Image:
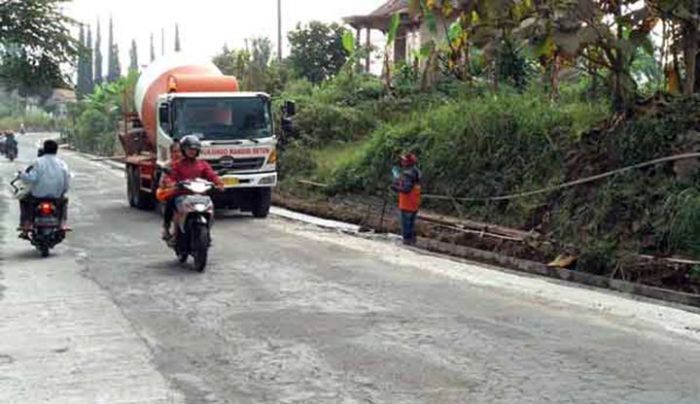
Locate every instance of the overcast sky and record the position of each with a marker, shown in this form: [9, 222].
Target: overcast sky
[205, 25]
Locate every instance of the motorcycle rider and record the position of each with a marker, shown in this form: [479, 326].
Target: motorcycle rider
[48, 178]
[188, 167]
[10, 143]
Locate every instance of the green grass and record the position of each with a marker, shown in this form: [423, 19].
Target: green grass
[329, 159]
[37, 122]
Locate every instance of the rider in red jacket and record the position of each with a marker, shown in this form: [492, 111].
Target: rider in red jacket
[189, 167]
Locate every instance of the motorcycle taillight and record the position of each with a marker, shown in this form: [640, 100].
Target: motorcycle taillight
[46, 208]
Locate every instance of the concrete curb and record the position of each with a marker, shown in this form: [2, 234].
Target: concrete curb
[537, 268]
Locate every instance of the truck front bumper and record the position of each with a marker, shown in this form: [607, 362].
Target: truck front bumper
[257, 180]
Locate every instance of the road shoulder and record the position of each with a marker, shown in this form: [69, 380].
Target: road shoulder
[64, 339]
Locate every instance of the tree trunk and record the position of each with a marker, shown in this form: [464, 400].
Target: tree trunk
[368, 59]
[690, 54]
[556, 67]
[495, 74]
[617, 64]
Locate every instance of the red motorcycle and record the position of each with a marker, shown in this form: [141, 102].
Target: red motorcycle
[46, 231]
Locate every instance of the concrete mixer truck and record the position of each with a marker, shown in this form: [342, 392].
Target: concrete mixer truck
[174, 98]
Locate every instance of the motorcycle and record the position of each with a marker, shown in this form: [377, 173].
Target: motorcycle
[192, 222]
[11, 152]
[46, 231]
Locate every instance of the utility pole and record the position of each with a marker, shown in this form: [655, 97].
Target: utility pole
[279, 30]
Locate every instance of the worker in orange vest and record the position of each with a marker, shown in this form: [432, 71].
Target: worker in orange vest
[407, 180]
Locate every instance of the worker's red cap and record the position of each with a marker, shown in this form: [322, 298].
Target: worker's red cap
[409, 159]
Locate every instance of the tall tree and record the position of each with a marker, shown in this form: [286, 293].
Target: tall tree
[81, 87]
[113, 68]
[99, 79]
[116, 72]
[90, 79]
[153, 49]
[177, 38]
[260, 55]
[317, 50]
[35, 41]
[134, 57]
[233, 62]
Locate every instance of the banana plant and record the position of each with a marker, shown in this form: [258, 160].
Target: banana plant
[392, 32]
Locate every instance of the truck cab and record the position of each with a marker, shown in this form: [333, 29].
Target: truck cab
[238, 141]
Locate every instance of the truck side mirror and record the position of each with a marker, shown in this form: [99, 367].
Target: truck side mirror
[290, 108]
[287, 127]
[164, 117]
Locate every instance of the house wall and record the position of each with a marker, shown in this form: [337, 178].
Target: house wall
[410, 41]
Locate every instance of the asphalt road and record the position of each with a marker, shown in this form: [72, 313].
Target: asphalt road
[288, 312]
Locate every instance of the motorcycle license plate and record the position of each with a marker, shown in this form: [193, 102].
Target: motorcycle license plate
[230, 181]
[46, 221]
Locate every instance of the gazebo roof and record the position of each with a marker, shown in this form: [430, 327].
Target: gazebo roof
[61, 96]
[379, 18]
[391, 7]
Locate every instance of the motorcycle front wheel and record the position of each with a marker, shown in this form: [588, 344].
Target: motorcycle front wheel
[200, 247]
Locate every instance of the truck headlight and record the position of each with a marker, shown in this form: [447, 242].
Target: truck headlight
[270, 179]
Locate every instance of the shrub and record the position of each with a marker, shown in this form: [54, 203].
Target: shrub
[296, 161]
[682, 212]
[37, 122]
[320, 123]
[479, 147]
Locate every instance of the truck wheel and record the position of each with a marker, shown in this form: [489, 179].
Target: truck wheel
[130, 186]
[261, 202]
[144, 200]
[138, 198]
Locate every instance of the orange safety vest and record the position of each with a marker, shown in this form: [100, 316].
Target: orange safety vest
[410, 201]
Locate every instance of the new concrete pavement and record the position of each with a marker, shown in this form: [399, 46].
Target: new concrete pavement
[288, 312]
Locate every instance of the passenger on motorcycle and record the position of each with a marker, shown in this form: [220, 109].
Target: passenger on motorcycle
[189, 167]
[48, 178]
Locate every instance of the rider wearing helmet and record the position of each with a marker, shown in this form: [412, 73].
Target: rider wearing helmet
[189, 167]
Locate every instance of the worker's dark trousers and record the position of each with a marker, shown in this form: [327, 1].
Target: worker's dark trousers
[408, 226]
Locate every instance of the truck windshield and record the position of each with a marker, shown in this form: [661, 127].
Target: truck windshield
[223, 118]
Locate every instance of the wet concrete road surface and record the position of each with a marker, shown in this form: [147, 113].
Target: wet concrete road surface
[291, 313]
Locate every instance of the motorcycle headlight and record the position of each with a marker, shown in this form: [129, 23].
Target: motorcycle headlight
[200, 207]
